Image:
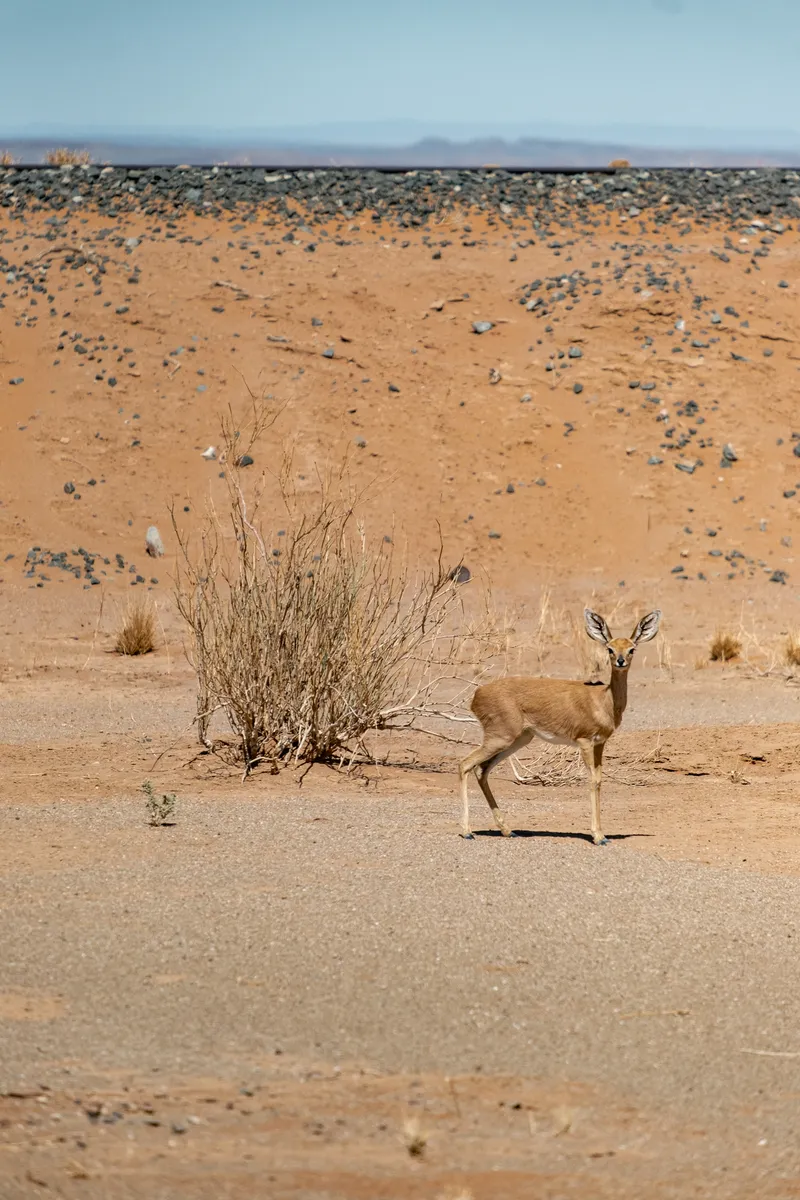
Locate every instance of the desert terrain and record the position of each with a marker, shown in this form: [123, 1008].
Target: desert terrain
[307, 985]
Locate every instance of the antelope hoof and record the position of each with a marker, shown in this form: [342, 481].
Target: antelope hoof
[507, 832]
[599, 839]
[468, 837]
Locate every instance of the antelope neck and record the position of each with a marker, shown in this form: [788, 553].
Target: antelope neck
[619, 692]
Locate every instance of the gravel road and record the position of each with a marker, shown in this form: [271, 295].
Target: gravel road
[363, 930]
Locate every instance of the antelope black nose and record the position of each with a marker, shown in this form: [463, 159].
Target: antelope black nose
[621, 661]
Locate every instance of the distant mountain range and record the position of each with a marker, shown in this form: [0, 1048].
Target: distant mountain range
[411, 144]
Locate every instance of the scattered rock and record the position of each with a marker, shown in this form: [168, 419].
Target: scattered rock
[482, 326]
[152, 543]
[460, 574]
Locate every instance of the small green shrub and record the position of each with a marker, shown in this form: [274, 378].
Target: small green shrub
[159, 808]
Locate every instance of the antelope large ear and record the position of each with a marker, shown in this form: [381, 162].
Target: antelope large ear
[647, 627]
[596, 626]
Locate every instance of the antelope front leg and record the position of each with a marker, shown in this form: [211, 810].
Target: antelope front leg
[597, 775]
[466, 832]
[593, 758]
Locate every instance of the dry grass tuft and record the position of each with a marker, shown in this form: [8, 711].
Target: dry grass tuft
[64, 156]
[7, 158]
[414, 1137]
[791, 650]
[593, 658]
[137, 629]
[724, 646]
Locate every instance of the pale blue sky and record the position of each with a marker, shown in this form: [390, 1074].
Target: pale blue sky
[582, 65]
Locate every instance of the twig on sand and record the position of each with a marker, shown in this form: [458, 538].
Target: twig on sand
[656, 1012]
[773, 1053]
[452, 1089]
[96, 629]
[235, 287]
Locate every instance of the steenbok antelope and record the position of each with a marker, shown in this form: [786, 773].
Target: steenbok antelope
[563, 711]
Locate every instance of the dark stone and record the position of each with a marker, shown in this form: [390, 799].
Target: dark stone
[69, 488]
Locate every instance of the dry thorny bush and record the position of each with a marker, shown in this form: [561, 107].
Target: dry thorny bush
[308, 646]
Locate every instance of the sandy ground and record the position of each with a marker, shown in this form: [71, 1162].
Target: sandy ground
[301, 981]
